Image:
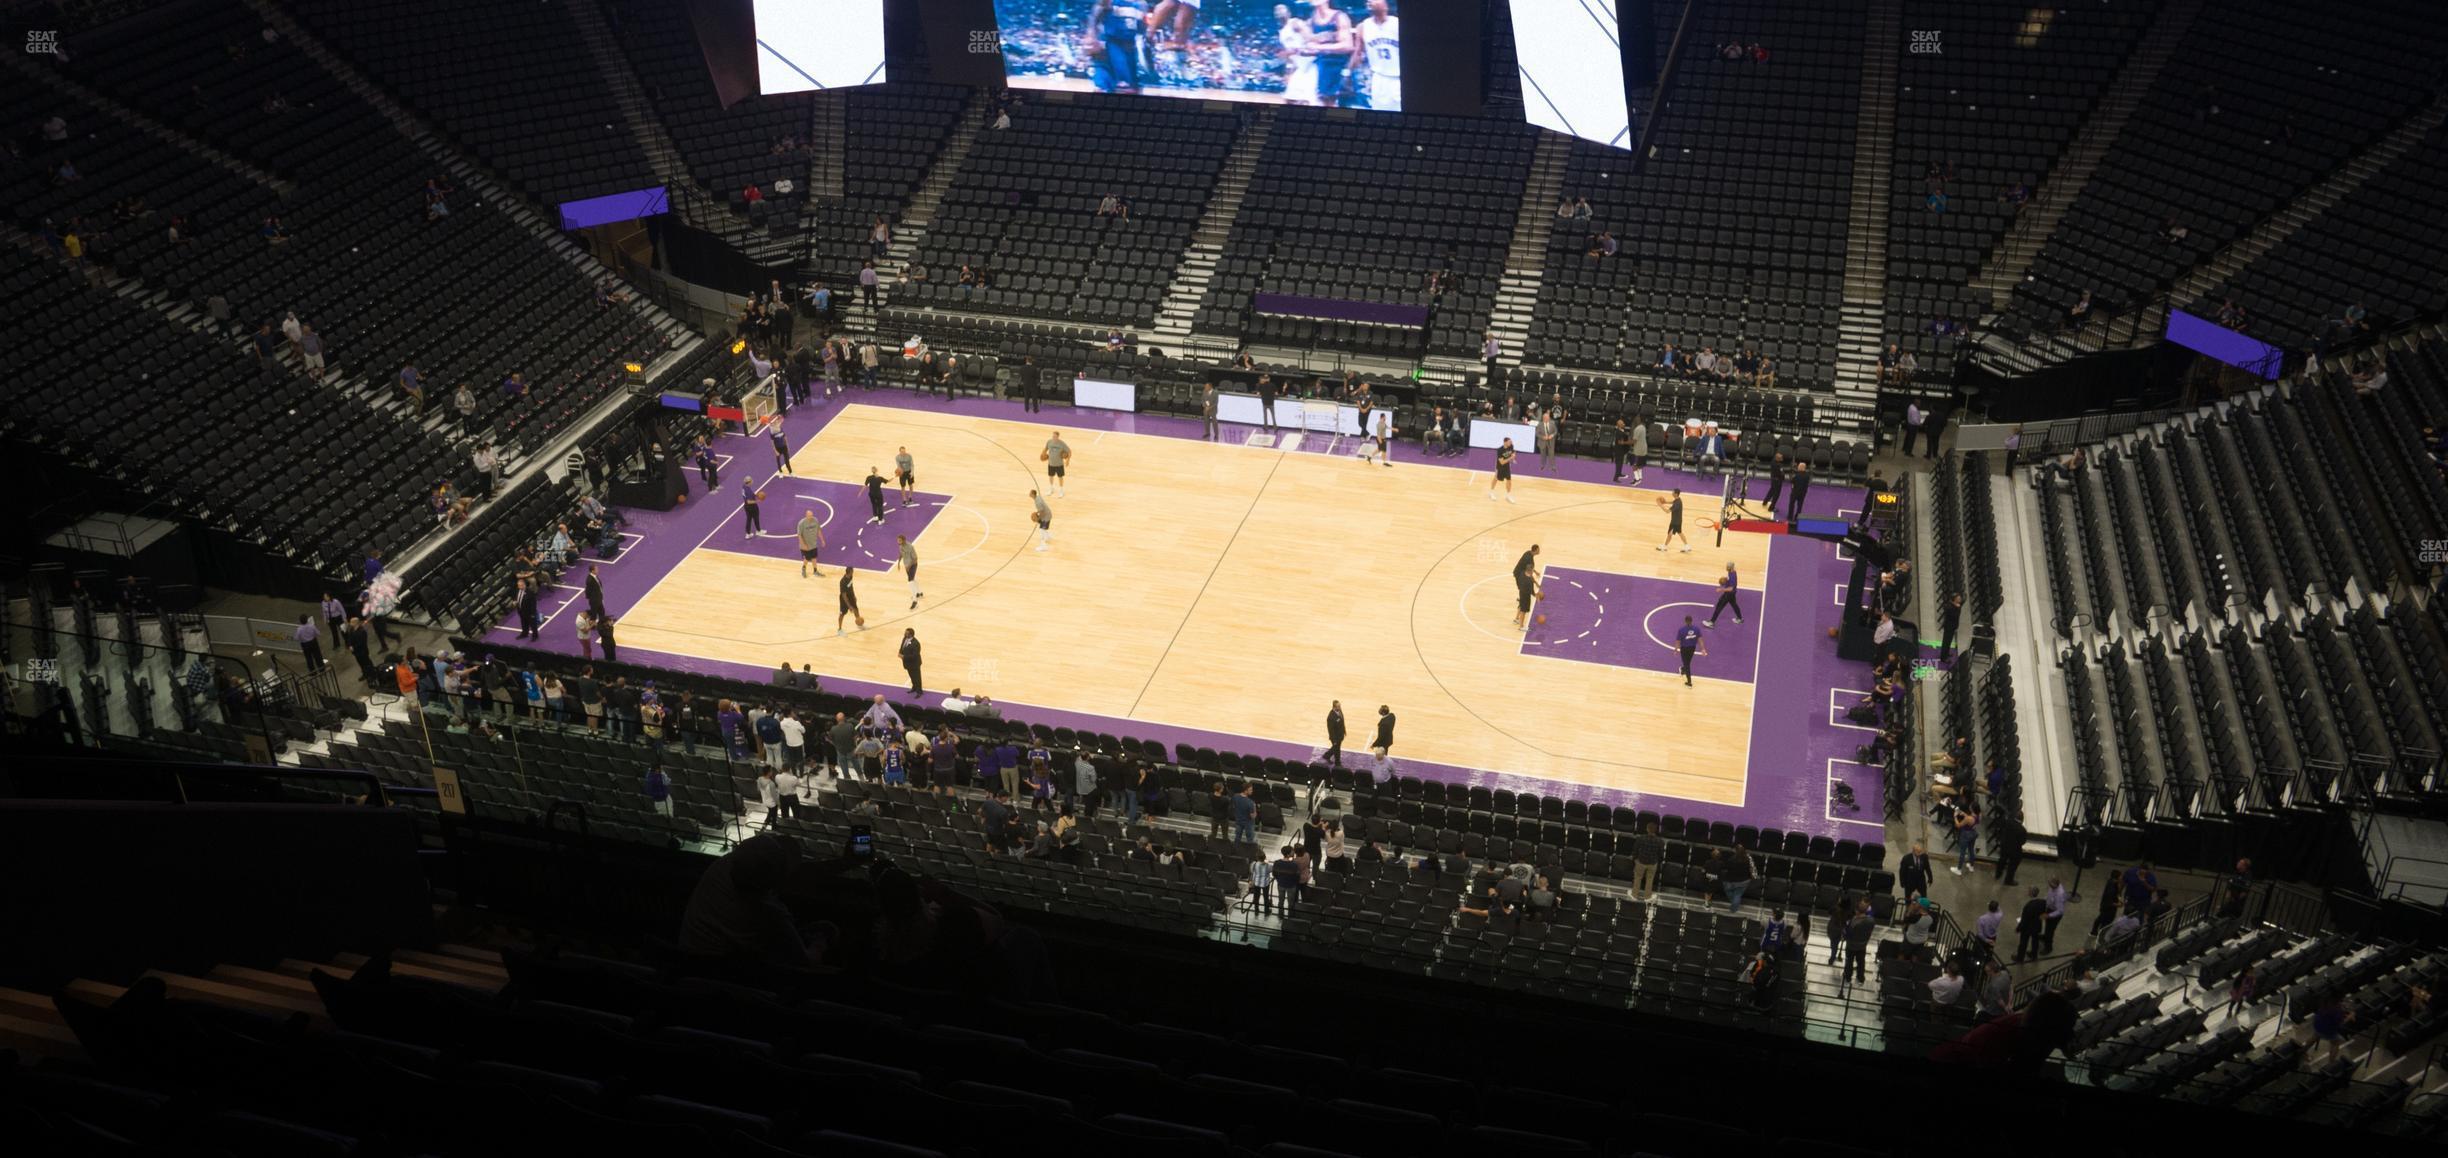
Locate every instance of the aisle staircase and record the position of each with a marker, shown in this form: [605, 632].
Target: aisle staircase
[1862, 320]
[662, 155]
[2014, 254]
[471, 175]
[2275, 229]
[476, 179]
[696, 206]
[1526, 256]
[59, 80]
[1176, 319]
[911, 228]
[830, 137]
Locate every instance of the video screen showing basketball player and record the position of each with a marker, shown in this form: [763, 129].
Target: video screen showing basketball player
[1328, 53]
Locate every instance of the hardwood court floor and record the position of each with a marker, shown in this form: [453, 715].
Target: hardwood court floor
[1222, 587]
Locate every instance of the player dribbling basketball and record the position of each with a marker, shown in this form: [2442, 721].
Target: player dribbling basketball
[1674, 520]
[1043, 518]
[849, 602]
[1525, 584]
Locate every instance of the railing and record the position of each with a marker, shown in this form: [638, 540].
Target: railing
[192, 680]
[167, 782]
[1844, 1016]
[2152, 933]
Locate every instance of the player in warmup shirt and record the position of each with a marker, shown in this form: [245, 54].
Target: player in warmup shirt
[811, 544]
[896, 762]
[1726, 587]
[875, 494]
[1043, 516]
[1688, 643]
[1504, 472]
[781, 447]
[1330, 43]
[1381, 52]
[1057, 459]
[1674, 520]
[909, 571]
[905, 472]
[849, 603]
[1525, 585]
[1376, 445]
[750, 500]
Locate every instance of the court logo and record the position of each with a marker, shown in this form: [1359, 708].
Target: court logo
[42, 43]
[40, 671]
[986, 42]
[1925, 42]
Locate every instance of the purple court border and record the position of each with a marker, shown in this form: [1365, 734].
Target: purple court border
[1792, 743]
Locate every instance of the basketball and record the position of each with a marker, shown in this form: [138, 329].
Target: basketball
[1542, 620]
[1831, 633]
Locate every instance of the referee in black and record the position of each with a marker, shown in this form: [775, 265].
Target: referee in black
[1525, 585]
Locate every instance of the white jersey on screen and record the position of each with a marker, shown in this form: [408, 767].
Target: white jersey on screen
[1300, 68]
[1382, 40]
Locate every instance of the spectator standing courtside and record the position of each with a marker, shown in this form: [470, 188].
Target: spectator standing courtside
[1913, 873]
[1647, 850]
[2031, 925]
[310, 642]
[1857, 933]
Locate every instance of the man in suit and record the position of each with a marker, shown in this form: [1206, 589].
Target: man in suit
[603, 635]
[594, 593]
[354, 636]
[2030, 927]
[784, 677]
[527, 610]
[1801, 490]
[1914, 872]
[2010, 836]
[1949, 618]
[1776, 482]
[1385, 732]
[1207, 412]
[910, 659]
[807, 677]
[1334, 734]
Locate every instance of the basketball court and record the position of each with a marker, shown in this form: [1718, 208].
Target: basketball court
[1230, 591]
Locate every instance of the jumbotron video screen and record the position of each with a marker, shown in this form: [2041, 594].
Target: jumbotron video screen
[1331, 53]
